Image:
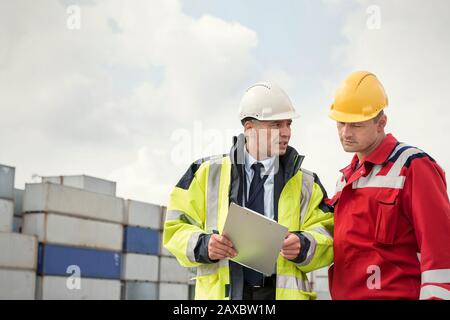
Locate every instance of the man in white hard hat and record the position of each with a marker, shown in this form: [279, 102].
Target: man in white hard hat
[263, 173]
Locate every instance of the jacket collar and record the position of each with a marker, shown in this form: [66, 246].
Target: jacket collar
[290, 161]
[379, 156]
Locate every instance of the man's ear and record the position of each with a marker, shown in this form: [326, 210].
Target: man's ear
[382, 122]
[248, 125]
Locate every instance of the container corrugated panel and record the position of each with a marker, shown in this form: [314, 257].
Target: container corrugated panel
[163, 251]
[84, 182]
[140, 267]
[6, 215]
[139, 290]
[93, 263]
[78, 232]
[7, 182]
[50, 197]
[18, 202]
[172, 271]
[173, 291]
[18, 251]
[17, 284]
[141, 240]
[57, 288]
[142, 214]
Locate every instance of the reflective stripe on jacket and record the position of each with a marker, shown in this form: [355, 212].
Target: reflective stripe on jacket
[199, 204]
[392, 227]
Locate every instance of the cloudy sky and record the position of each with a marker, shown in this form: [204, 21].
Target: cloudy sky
[134, 91]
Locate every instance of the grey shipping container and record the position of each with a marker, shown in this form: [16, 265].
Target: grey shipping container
[18, 251]
[66, 230]
[172, 271]
[7, 182]
[142, 214]
[50, 197]
[62, 288]
[17, 284]
[139, 290]
[140, 267]
[173, 291]
[6, 215]
[18, 202]
[85, 182]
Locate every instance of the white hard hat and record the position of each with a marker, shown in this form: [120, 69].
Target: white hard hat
[266, 101]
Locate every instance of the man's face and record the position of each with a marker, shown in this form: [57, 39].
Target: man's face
[359, 136]
[272, 137]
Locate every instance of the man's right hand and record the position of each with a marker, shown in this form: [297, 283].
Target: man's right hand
[219, 247]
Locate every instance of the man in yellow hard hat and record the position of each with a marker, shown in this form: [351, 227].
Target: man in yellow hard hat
[263, 173]
[392, 213]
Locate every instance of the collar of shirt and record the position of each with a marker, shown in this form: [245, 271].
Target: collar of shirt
[378, 156]
[249, 161]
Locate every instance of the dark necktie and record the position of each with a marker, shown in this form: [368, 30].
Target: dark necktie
[256, 203]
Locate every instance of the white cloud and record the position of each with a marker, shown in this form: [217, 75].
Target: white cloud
[145, 178]
[81, 101]
[409, 53]
[106, 100]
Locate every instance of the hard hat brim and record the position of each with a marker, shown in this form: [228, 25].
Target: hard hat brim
[351, 118]
[278, 116]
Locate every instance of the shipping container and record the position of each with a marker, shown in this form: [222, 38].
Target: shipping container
[173, 291]
[6, 215]
[18, 202]
[141, 240]
[58, 260]
[172, 271]
[18, 251]
[84, 182]
[78, 232]
[17, 284]
[140, 267]
[142, 214]
[7, 182]
[140, 290]
[50, 197]
[63, 288]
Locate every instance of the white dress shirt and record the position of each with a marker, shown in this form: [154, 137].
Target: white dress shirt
[268, 184]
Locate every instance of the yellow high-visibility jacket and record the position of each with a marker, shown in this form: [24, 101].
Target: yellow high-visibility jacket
[199, 204]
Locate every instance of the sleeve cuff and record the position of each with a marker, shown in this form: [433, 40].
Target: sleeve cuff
[304, 247]
[201, 249]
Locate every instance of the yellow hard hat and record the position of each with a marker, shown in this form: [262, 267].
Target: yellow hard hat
[359, 98]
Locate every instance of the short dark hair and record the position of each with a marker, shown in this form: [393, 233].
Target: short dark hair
[378, 116]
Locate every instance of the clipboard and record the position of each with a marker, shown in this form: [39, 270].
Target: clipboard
[257, 239]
